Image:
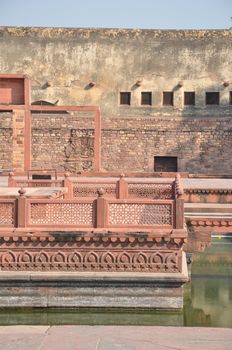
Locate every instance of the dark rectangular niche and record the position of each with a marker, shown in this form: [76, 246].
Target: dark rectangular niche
[125, 98]
[168, 98]
[212, 98]
[146, 98]
[189, 98]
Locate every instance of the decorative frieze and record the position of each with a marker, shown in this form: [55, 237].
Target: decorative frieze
[91, 252]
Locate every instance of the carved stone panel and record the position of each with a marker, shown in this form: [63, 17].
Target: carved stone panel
[79, 152]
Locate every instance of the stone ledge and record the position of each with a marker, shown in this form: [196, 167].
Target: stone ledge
[124, 290]
[114, 33]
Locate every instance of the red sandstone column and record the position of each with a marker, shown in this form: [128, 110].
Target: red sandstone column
[97, 141]
[27, 140]
[22, 210]
[102, 210]
[27, 130]
[179, 203]
[122, 188]
[11, 180]
[27, 91]
[18, 140]
[68, 184]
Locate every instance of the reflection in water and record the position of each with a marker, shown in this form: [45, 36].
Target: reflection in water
[208, 300]
[90, 317]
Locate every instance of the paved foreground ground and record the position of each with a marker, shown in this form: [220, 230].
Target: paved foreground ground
[113, 338]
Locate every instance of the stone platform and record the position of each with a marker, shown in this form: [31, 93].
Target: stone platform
[147, 252]
[97, 246]
[89, 289]
[114, 338]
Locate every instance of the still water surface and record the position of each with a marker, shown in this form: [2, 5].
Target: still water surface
[207, 301]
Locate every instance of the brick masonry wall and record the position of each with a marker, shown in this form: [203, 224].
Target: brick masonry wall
[201, 145]
[130, 144]
[6, 141]
[54, 145]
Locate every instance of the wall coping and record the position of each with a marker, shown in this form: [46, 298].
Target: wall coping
[114, 33]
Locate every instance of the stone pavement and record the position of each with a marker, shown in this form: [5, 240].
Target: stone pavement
[114, 338]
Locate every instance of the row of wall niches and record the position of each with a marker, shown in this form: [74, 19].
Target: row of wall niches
[211, 98]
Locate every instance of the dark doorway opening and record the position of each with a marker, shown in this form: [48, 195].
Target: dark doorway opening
[165, 164]
[41, 177]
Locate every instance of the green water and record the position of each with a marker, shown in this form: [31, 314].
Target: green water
[207, 300]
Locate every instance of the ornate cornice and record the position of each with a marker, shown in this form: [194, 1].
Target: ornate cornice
[218, 222]
[68, 238]
[207, 191]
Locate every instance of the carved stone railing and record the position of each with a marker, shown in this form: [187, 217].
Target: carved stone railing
[147, 213]
[63, 213]
[99, 232]
[121, 188]
[119, 203]
[90, 188]
[125, 188]
[102, 212]
[7, 213]
[24, 183]
[14, 182]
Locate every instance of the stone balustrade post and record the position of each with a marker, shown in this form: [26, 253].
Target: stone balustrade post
[101, 210]
[179, 191]
[11, 180]
[68, 184]
[22, 209]
[179, 203]
[122, 188]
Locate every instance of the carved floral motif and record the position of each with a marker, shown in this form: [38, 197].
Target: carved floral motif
[92, 260]
[79, 152]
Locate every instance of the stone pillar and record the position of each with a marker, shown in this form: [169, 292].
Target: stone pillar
[18, 140]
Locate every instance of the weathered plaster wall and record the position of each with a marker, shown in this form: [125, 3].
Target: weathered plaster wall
[115, 59]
